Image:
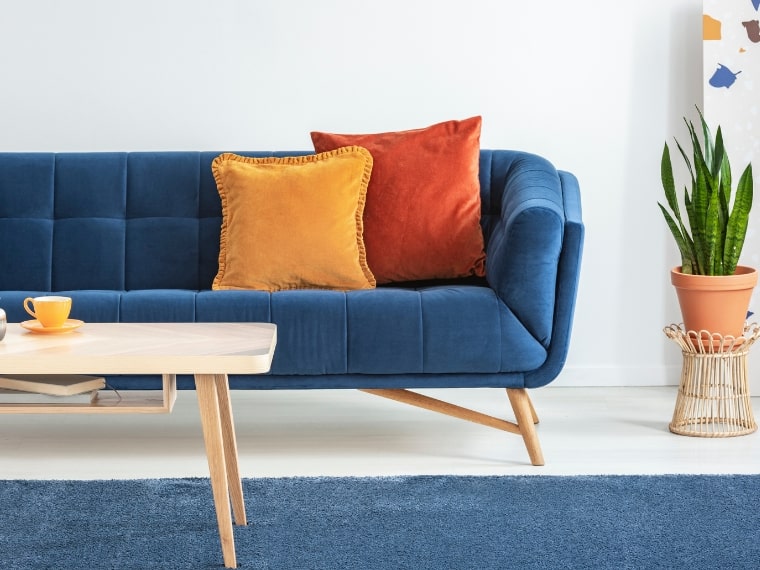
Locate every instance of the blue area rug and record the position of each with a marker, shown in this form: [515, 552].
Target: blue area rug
[435, 522]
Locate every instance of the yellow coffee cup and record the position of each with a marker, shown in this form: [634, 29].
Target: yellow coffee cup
[51, 311]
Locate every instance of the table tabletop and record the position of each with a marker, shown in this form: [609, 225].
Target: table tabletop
[141, 348]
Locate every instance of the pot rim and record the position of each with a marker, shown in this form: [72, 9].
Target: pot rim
[744, 278]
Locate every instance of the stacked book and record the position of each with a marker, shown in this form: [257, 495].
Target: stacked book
[45, 389]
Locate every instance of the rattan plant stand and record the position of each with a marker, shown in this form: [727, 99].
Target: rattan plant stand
[713, 395]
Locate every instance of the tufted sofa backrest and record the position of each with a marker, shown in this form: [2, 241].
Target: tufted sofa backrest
[125, 221]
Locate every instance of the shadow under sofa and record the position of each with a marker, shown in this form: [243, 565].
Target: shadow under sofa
[134, 237]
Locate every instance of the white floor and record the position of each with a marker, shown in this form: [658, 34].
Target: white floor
[281, 434]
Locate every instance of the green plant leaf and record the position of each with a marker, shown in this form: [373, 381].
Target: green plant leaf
[668, 183]
[681, 240]
[721, 169]
[736, 228]
[713, 247]
[713, 154]
[707, 138]
[724, 193]
[690, 213]
[686, 160]
[700, 197]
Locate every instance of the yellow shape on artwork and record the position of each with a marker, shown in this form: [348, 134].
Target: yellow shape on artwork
[710, 28]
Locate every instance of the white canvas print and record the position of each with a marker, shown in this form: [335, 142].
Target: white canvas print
[731, 89]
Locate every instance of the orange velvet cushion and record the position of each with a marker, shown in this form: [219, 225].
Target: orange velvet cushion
[422, 217]
[293, 222]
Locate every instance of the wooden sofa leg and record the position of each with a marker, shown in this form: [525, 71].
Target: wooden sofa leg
[521, 404]
[533, 413]
[526, 418]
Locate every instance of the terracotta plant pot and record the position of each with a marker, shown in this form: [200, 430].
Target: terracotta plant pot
[715, 303]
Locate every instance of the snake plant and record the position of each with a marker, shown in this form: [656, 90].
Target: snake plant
[712, 242]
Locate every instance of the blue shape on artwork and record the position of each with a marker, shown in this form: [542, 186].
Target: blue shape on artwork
[756, 4]
[723, 76]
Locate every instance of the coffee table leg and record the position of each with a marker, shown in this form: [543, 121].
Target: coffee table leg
[208, 402]
[230, 449]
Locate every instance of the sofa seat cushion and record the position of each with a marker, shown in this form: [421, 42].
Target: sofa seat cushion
[95, 306]
[89, 305]
[447, 329]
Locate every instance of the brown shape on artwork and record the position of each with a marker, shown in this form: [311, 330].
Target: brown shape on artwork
[753, 30]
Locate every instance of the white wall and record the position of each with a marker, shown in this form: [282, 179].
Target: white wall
[596, 87]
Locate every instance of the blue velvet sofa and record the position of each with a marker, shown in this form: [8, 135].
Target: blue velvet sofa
[134, 237]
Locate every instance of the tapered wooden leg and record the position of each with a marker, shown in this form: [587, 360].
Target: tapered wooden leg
[523, 409]
[521, 404]
[208, 402]
[533, 413]
[230, 448]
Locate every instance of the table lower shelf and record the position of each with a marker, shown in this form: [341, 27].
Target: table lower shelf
[108, 402]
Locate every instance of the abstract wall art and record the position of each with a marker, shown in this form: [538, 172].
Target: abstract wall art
[731, 92]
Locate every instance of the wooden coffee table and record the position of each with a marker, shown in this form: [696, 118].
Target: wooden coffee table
[209, 351]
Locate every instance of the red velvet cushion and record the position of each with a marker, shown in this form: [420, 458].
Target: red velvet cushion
[422, 211]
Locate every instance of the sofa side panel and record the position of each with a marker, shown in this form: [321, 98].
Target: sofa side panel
[332, 381]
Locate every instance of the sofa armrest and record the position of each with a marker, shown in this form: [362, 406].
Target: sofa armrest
[568, 276]
[534, 252]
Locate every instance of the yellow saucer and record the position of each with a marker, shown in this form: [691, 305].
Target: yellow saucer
[36, 327]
